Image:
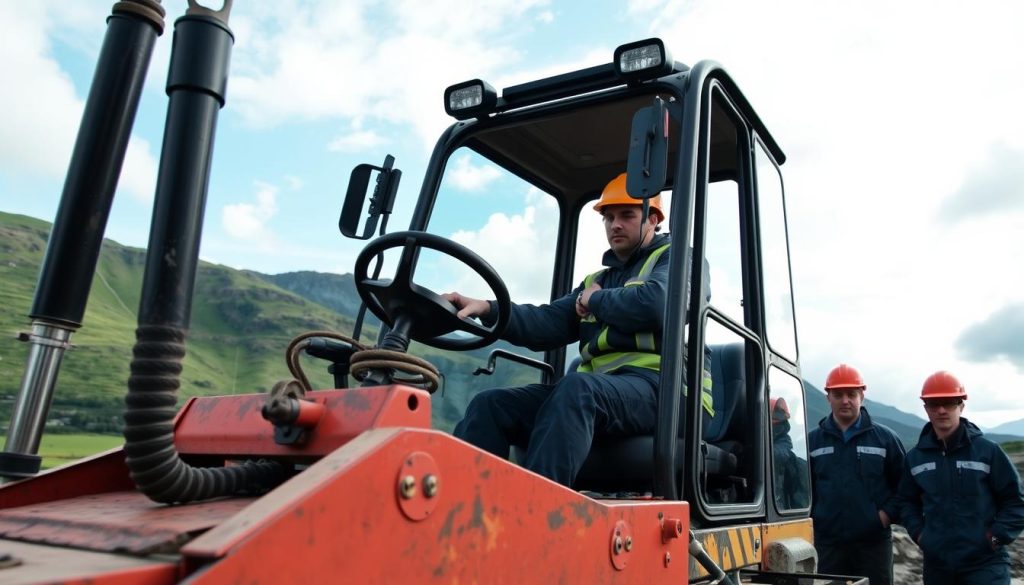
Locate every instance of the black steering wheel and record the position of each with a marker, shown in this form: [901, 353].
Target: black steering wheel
[419, 312]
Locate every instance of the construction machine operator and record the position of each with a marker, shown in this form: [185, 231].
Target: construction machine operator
[616, 314]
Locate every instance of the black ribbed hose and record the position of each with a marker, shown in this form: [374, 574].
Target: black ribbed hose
[155, 465]
[196, 84]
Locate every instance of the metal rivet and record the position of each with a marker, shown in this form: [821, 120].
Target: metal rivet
[629, 543]
[668, 559]
[618, 545]
[408, 486]
[430, 485]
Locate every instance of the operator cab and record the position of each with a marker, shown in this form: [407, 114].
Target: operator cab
[514, 181]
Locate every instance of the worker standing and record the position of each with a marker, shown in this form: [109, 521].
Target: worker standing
[963, 499]
[855, 472]
[616, 314]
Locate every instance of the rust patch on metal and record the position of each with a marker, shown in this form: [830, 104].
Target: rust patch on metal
[356, 401]
[449, 523]
[477, 520]
[582, 511]
[555, 519]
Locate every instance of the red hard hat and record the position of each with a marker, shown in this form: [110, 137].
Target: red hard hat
[779, 410]
[844, 376]
[942, 384]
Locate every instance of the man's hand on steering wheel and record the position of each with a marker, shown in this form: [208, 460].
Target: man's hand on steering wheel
[468, 306]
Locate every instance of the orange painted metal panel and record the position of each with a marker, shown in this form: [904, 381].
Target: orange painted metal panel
[36, 564]
[232, 426]
[100, 473]
[487, 521]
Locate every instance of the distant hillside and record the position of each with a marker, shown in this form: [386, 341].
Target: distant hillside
[334, 291]
[1011, 428]
[241, 323]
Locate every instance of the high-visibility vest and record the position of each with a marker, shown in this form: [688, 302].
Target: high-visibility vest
[609, 350]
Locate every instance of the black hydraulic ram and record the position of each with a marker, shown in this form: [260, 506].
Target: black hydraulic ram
[196, 86]
[74, 246]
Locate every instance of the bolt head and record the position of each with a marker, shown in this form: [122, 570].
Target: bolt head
[430, 485]
[407, 486]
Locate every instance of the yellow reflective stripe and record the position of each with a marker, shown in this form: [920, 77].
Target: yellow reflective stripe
[587, 354]
[633, 283]
[707, 400]
[609, 362]
[590, 278]
[648, 266]
[645, 341]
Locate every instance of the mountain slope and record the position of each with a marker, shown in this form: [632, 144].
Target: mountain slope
[240, 326]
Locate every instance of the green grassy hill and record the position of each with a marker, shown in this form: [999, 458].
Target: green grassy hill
[241, 324]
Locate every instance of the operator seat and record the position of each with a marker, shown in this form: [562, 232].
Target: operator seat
[626, 464]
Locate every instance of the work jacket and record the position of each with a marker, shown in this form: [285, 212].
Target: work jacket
[624, 327]
[957, 495]
[852, 480]
[631, 313]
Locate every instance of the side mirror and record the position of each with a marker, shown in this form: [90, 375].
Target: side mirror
[381, 202]
[647, 167]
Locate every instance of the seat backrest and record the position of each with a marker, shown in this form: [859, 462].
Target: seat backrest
[728, 389]
[626, 463]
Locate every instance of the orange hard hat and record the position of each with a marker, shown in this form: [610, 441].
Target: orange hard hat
[615, 194]
[844, 376]
[942, 384]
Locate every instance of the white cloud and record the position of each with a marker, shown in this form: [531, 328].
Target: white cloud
[518, 246]
[546, 16]
[325, 59]
[248, 221]
[883, 119]
[43, 107]
[356, 141]
[467, 177]
[997, 185]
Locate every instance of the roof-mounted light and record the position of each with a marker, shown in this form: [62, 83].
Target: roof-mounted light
[647, 59]
[470, 99]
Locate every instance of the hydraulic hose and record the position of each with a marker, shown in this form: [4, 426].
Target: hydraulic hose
[196, 86]
[156, 468]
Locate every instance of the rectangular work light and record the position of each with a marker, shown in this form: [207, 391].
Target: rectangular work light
[647, 59]
[469, 99]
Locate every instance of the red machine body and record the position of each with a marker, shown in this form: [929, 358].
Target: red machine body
[387, 500]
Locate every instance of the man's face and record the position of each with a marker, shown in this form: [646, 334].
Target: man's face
[845, 403]
[622, 227]
[944, 414]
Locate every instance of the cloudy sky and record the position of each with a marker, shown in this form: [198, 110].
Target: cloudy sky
[901, 120]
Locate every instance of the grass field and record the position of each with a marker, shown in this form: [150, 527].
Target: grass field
[57, 450]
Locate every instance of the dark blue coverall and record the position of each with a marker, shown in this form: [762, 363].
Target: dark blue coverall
[852, 478]
[557, 423]
[963, 503]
